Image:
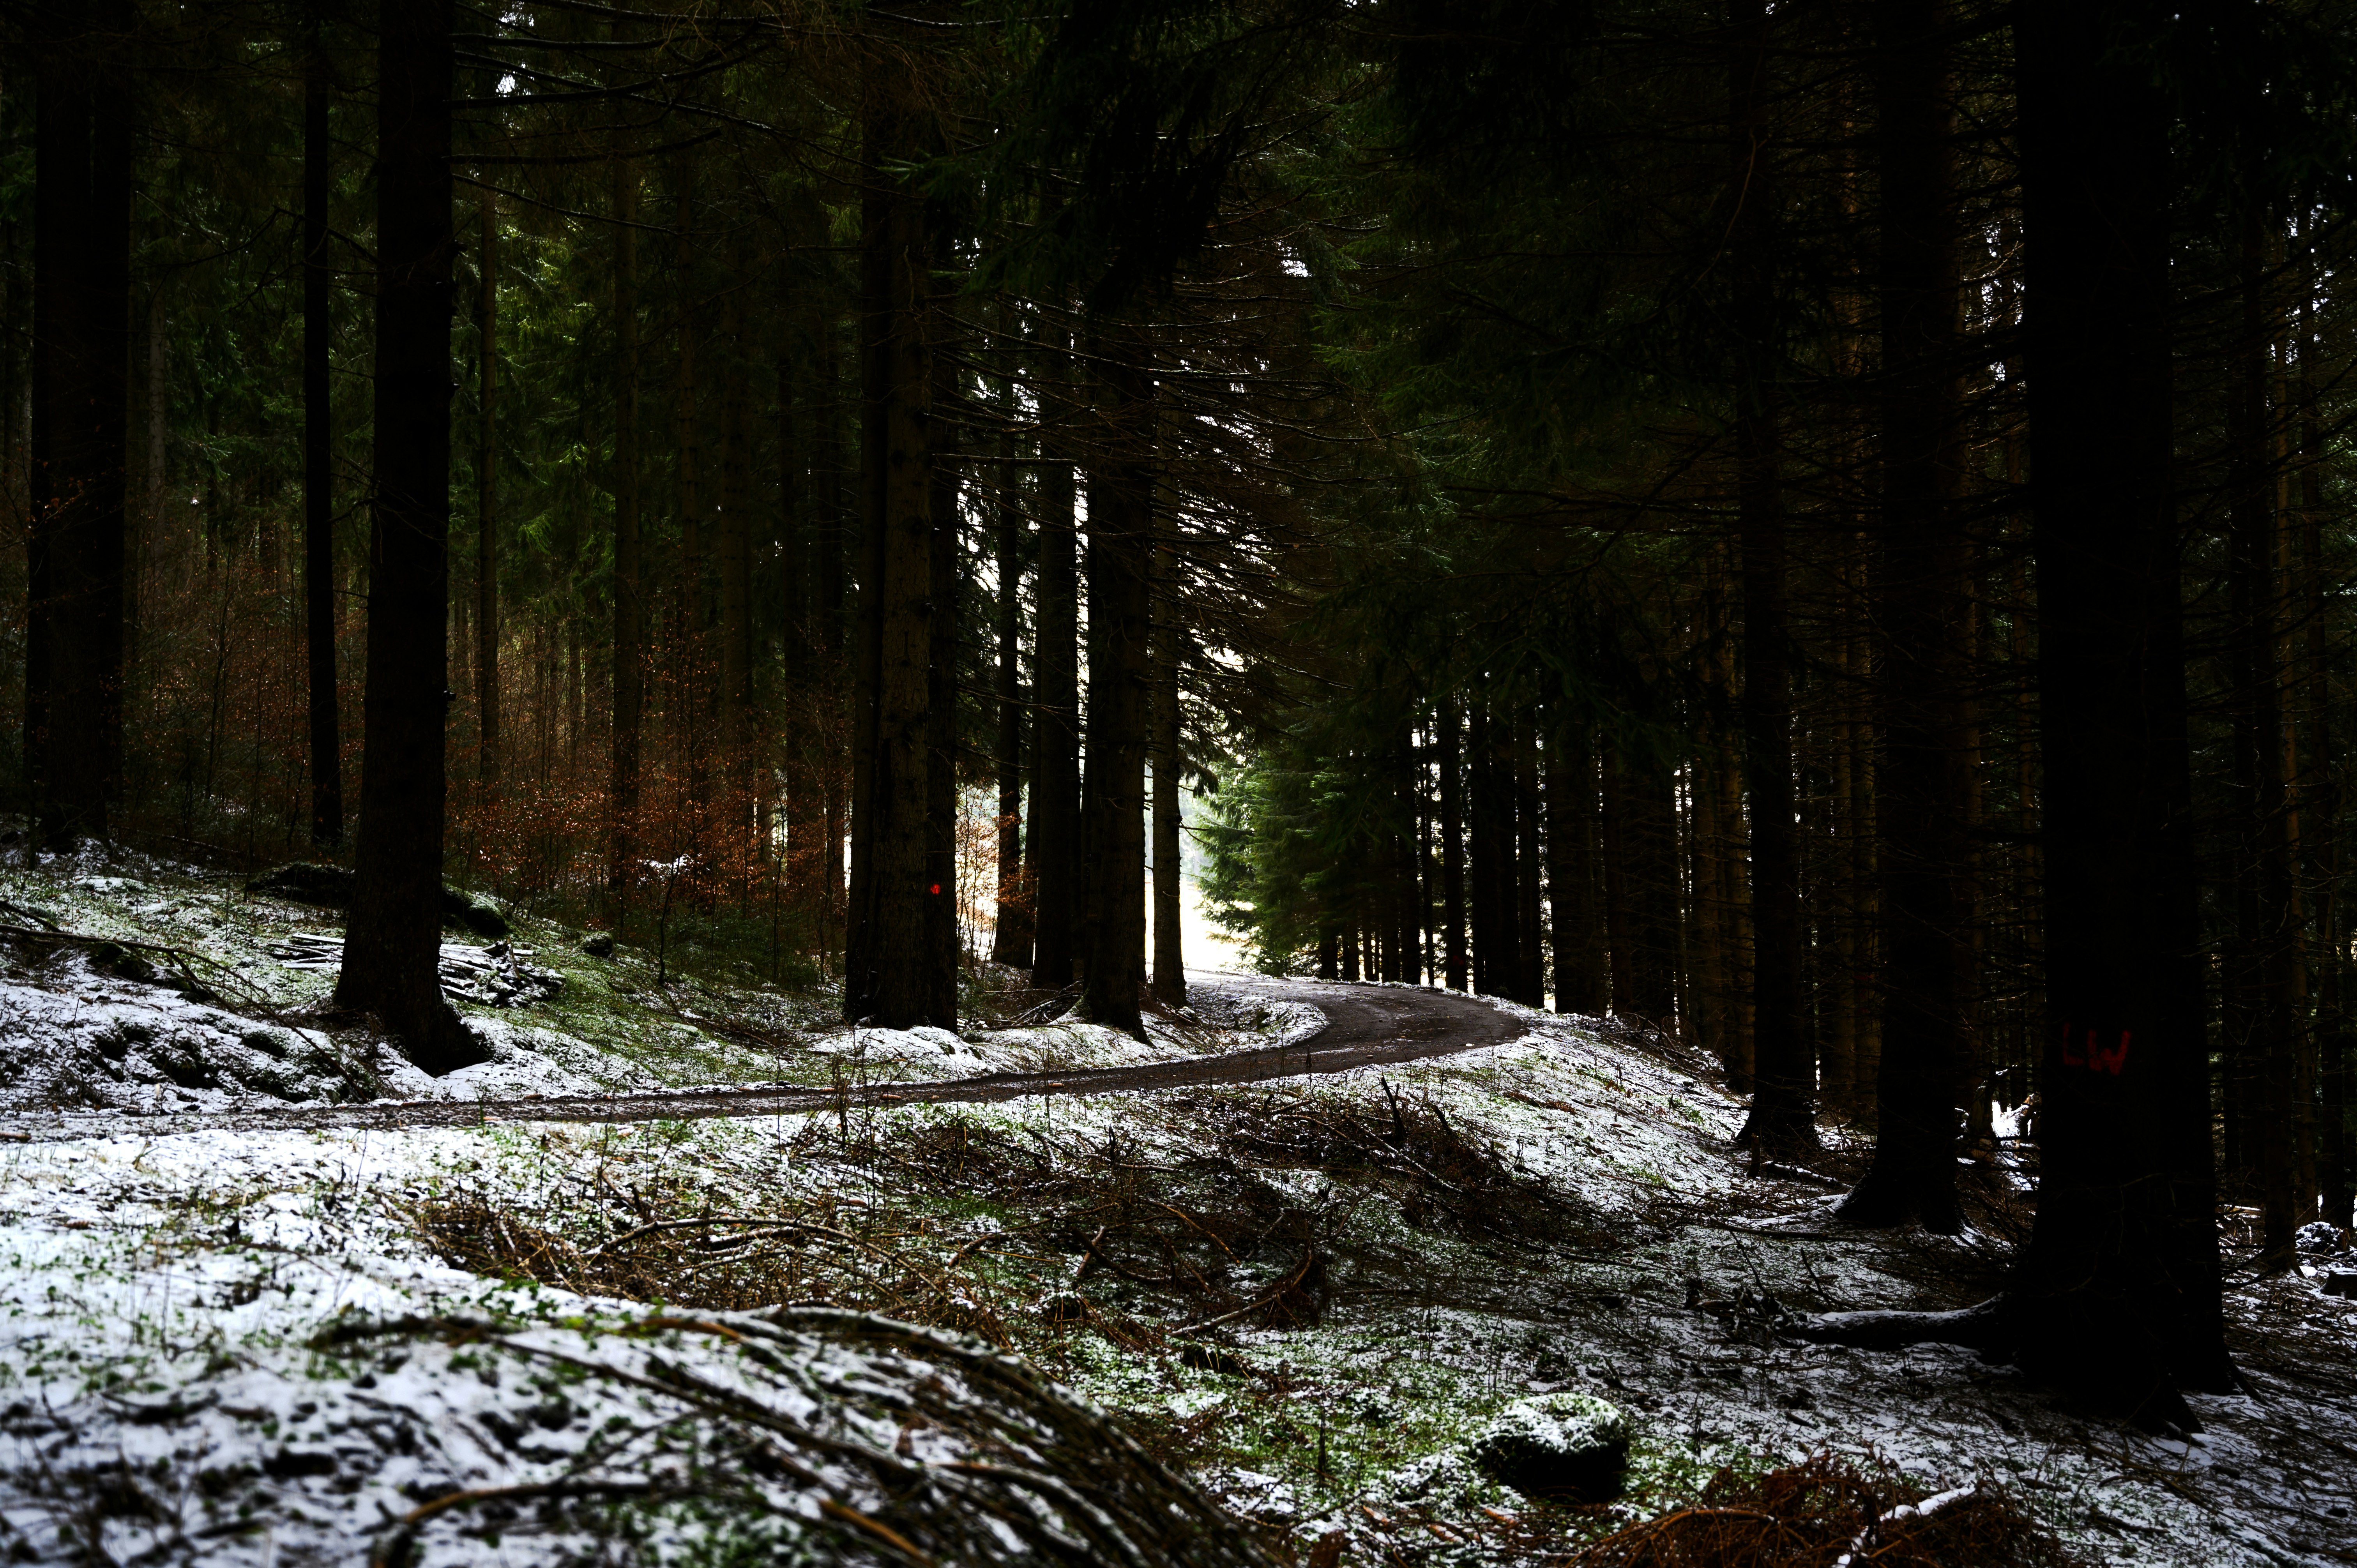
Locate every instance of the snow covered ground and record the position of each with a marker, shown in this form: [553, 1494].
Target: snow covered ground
[200, 1002]
[1318, 1294]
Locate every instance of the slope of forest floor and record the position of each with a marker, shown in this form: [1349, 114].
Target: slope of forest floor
[529, 1341]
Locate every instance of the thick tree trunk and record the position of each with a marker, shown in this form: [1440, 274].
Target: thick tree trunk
[1054, 843]
[1169, 951]
[318, 471]
[1121, 545]
[630, 591]
[886, 977]
[392, 940]
[1452, 847]
[82, 308]
[1783, 1097]
[487, 493]
[2125, 1235]
[1922, 612]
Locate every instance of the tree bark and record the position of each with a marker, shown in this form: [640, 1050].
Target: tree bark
[1921, 608]
[689, 709]
[1411, 901]
[1651, 825]
[487, 492]
[1530, 940]
[1170, 951]
[940, 951]
[318, 471]
[82, 306]
[1783, 1112]
[1495, 962]
[1452, 846]
[392, 940]
[2267, 973]
[630, 591]
[2319, 802]
[1121, 545]
[885, 979]
[1011, 938]
[739, 765]
[1579, 979]
[1054, 843]
[2126, 1236]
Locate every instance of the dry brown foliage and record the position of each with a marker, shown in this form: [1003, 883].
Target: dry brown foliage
[1825, 1512]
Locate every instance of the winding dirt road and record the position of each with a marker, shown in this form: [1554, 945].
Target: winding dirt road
[1367, 1026]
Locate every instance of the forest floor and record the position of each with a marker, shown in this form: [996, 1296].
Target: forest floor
[521, 1336]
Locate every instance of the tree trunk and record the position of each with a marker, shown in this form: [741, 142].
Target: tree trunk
[392, 940]
[1121, 544]
[690, 702]
[1408, 908]
[318, 460]
[1530, 943]
[1921, 608]
[1011, 941]
[1618, 919]
[2267, 977]
[739, 764]
[1714, 1003]
[82, 306]
[2125, 1234]
[941, 952]
[885, 979]
[1651, 825]
[798, 732]
[487, 491]
[630, 591]
[1494, 961]
[1579, 979]
[1838, 1079]
[1169, 954]
[831, 547]
[1452, 846]
[1054, 843]
[2319, 800]
[1782, 1120]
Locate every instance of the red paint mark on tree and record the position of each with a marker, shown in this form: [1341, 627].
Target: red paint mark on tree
[2093, 1054]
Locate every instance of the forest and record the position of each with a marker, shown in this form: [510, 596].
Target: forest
[1163, 781]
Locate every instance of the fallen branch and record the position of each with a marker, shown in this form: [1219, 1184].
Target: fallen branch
[1975, 1327]
[1290, 1284]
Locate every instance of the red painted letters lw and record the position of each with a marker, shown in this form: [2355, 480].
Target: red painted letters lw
[2091, 1052]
